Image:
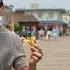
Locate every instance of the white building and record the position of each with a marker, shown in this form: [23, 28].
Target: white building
[47, 14]
[66, 18]
[34, 4]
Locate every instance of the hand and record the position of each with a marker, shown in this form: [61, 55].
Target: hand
[36, 55]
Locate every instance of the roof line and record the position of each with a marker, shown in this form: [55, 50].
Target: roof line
[22, 10]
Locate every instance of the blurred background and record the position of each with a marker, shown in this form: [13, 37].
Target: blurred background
[48, 21]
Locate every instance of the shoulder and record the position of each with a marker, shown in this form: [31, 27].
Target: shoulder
[14, 37]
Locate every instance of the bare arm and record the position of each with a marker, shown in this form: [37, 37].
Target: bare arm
[27, 68]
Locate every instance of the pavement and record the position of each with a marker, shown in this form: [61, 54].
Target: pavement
[56, 54]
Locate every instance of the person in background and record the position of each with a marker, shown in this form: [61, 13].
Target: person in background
[55, 32]
[41, 34]
[48, 34]
[12, 52]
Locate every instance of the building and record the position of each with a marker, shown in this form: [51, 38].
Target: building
[34, 4]
[38, 17]
[25, 20]
[41, 18]
[46, 16]
[66, 18]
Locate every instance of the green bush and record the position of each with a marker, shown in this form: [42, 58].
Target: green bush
[17, 27]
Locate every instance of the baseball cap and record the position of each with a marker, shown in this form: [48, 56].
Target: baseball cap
[1, 3]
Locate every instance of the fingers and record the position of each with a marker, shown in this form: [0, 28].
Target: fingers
[38, 55]
[36, 49]
[35, 58]
[33, 49]
[39, 49]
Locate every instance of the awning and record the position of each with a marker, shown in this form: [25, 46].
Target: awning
[52, 22]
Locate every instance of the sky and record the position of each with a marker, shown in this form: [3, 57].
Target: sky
[65, 4]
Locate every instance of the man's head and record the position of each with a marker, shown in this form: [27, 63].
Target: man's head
[1, 7]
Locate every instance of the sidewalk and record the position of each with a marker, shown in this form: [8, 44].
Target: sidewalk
[56, 54]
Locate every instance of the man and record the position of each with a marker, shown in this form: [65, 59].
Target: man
[12, 50]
